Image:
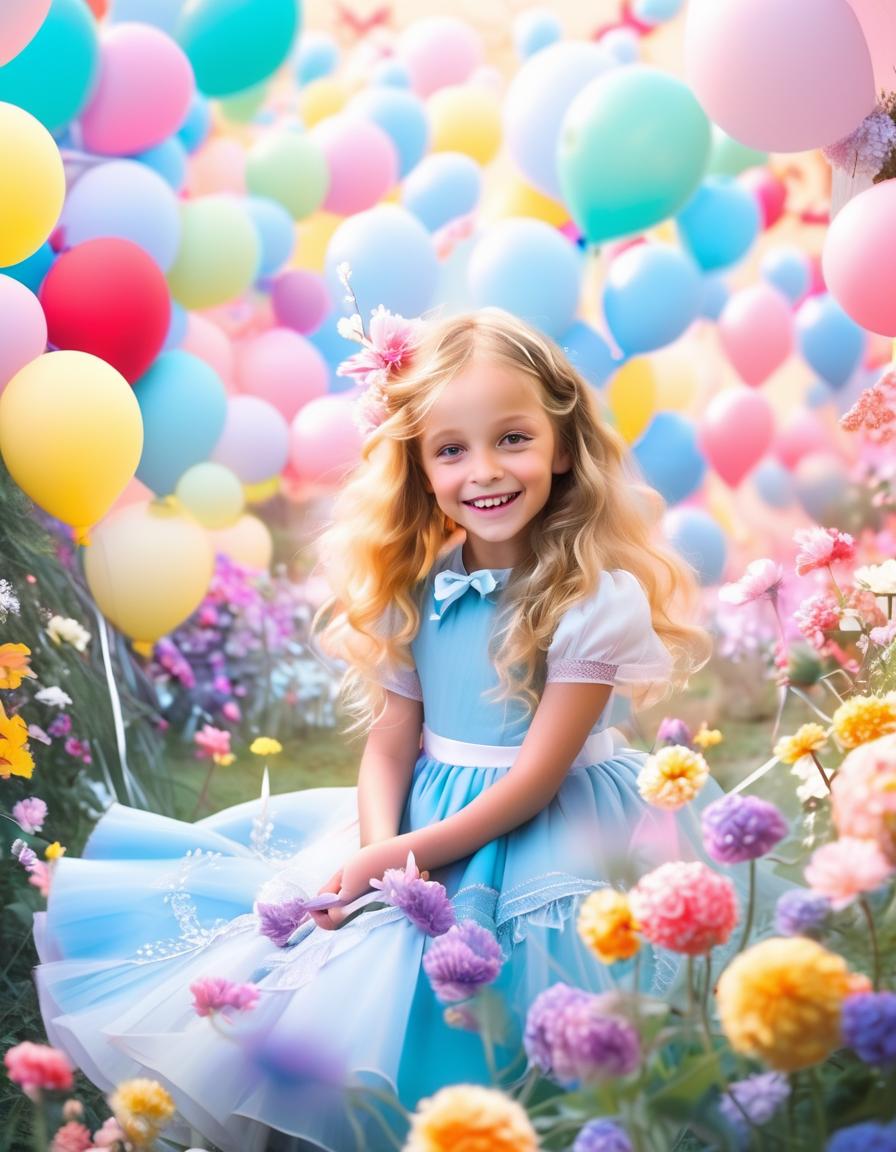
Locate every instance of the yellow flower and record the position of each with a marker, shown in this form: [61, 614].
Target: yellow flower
[472, 1118]
[607, 925]
[806, 740]
[707, 737]
[14, 665]
[225, 759]
[672, 777]
[142, 1108]
[265, 746]
[54, 851]
[864, 718]
[15, 759]
[780, 1002]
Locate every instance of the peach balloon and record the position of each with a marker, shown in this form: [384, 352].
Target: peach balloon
[248, 542]
[282, 367]
[802, 436]
[210, 343]
[219, 166]
[439, 51]
[20, 21]
[756, 331]
[361, 159]
[324, 440]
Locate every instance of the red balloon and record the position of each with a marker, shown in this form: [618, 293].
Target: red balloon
[109, 298]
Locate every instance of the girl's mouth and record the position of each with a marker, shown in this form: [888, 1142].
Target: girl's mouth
[492, 505]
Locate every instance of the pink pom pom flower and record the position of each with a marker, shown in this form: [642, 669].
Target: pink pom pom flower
[38, 1068]
[685, 907]
[821, 547]
[863, 794]
[846, 869]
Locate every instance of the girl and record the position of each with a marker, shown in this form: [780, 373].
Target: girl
[495, 582]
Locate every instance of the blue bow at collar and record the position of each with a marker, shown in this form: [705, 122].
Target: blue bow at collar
[450, 586]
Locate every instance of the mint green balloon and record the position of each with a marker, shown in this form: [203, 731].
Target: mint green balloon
[290, 168]
[235, 44]
[729, 157]
[241, 109]
[633, 147]
[219, 252]
[54, 76]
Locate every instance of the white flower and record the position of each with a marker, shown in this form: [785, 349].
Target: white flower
[63, 629]
[344, 272]
[880, 578]
[54, 696]
[9, 602]
[350, 327]
[812, 787]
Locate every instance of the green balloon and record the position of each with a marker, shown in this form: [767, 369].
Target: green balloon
[219, 252]
[729, 157]
[241, 109]
[53, 77]
[235, 44]
[291, 169]
[633, 148]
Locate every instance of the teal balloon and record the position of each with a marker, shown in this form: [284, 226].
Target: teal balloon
[235, 44]
[55, 75]
[633, 147]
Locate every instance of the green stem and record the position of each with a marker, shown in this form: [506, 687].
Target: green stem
[380, 1119]
[203, 795]
[704, 1004]
[39, 1130]
[821, 771]
[690, 972]
[751, 908]
[818, 1107]
[875, 950]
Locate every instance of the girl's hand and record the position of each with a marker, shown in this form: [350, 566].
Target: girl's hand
[353, 879]
[322, 918]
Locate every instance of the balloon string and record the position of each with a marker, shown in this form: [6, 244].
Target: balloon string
[131, 788]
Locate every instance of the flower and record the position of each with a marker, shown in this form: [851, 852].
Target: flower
[471, 1117]
[867, 1137]
[672, 777]
[388, 348]
[462, 960]
[758, 1096]
[40, 875]
[14, 666]
[815, 616]
[874, 413]
[883, 636]
[142, 1108]
[879, 578]
[38, 1068]
[30, 814]
[865, 150]
[847, 868]
[863, 718]
[9, 602]
[673, 731]
[869, 1026]
[607, 925]
[54, 697]
[821, 547]
[602, 1136]
[780, 1002]
[706, 737]
[15, 758]
[26, 856]
[72, 1137]
[863, 794]
[79, 749]
[265, 746]
[762, 578]
[109, 1135]
[685, 907]
[574, 1037]
[54, 851]
[801, 913]
[65, 630]
[424, 902]
[213, 994]
[807, 739]
[214, 744]
[279, 921]
[738, 828]
[61, 725]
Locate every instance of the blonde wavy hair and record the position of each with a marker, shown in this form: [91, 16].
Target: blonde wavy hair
[388, 530]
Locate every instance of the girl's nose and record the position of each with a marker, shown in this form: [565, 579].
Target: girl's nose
[487, 469]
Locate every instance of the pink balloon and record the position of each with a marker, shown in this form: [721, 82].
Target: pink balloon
[218, 166]
[438, 52]
[779, 76]
[324, 440]
[143, 93]
[255, 440]
[300, 300]
[283, 368]
[756, 331]
[206, 340]
[769, 192]
[735, 432]
[878, 21]
[23, 328]
[20, 21]
[362, 161]
[858, 256]
[802, 436]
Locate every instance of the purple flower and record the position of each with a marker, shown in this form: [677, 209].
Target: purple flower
[26, 856]
[279, 921]
[759, 1097]
[61, 725]
[212, 994]
[30, 814]
[869, 1137]
[869, 1026]
[572, 1036]
[800, 912]
[424, 902]
[738, 828]
[674, 731]
[460, 961]
[602, 1136]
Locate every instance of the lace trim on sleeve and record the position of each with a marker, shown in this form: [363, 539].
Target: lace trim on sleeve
[582, 671]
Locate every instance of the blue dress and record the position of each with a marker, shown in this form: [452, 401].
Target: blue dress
[155, 904]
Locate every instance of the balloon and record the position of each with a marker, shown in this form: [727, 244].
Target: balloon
[160, 13]
[588, 352]
[617, 181]
[830, 342]
[442, 187]
[143, 93]
[736, 429]
[402, 116]
[536, 102]
[234, 44]
[392, 259]
[127, 200]
[787, 269]
[263, 492]
[324, 440]
[801, 436]
[669, 456]
[391, 73]
[197, 123]
[439, 51]
[211, 493]
[322, 98]
[631, 395]
[676, 375]
[31, 271]
[70, 435]
[699, 539]
[318, 55]
[774, 484]
[534, 30]
[177, 327]
[756, 331]
[244, 107]
[19, 23]
[652, 294]
[283, 368]
[517, 198]
[715, 297]
[276, 233]
[32, 189]
[313, 239]
[720, 223]
[466, 118]
[858, 258]
[218, 255]
[149, 568]
[291, 169]
[729, 157]
[622, 45]
[255, 440]
[878, 21]
[815, 87]
[23, 328]
[362, 163]
[168, 160]
[300, 300]
[769, 192]
[184, 406]
[820, 480]
[207, 341]
[247, 542]
[656, 11]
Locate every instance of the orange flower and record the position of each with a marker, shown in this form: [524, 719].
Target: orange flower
[864, 718]
[608, 926]
[471, 1117]
[15, 759]
[14, 665]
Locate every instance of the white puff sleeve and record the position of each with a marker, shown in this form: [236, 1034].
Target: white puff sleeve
[608, 638]
[399, 679]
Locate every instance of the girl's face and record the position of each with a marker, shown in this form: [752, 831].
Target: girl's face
[490, 453]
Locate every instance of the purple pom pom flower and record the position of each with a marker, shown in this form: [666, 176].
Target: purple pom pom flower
[801, 912]
[759, 1097]
[462, 960]
[869, 1026]
[602, 1136]
[674, 731]
[573, 1037]
[30, 814]
[738, 828]
[424, 902]
[868, 1137]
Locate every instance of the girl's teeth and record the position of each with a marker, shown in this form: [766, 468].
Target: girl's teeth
[491, 503]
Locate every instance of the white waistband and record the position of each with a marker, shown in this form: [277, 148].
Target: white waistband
[598, 747]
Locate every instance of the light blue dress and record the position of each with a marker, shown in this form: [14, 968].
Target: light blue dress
[155, 904]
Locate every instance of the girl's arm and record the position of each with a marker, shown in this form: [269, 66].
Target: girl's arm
[393, 744]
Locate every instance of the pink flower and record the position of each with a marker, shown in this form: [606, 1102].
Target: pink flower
[40, 874]
[816, 616]
[863, 794]
[821, 547]
[883, 636]
[72, 1137]
[212, 994]
[847, 868]
[875, 410]
[38, 1067]
[388, 347]
[30, 814]
[686, 907]
[109, 1135]
[231, 711]
[211, 742]
[762, 578]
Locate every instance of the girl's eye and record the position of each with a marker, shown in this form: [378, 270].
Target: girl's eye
[515, 438]
[450, 450]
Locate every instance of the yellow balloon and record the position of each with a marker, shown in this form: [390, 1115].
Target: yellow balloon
[313, 236]
[262, 491]
[465, 118]
[248, 542]
[32, 184]
[631, 395]
[71, 435]
[149, 568]
[211, 493]
[675, 374]
[321, 98]
[517, 198]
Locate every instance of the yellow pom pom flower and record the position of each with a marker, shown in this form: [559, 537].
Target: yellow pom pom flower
[806, 740]
[864, 718]
[607, 925]
[54, 851]
[265, 746]
[473, 1118]
[14, 665]
[15, 758]
[142, 1108]
[706, 737]
[672, 777]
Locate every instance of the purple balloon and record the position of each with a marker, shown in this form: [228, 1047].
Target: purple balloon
[300, 300]
[255, 440]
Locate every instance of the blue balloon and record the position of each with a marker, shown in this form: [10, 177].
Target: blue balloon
[169, 160]
[534, 30]
[656, 11]
[830, 341]
[670, 457]
[334, 349]
[318, 55]
[588, 352]
[161, 13]
[774, 483]
[177, 328]
[715, 297]
[442, 187]
[818, 394]
[820, 482]
[652, 295]
[402, 116]
[184, 406]
[699, 539]
[786, 269]
[720, 223]
[31, 271]
[276, 233]
[391, 74]
[529, 268]
[197, 123]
